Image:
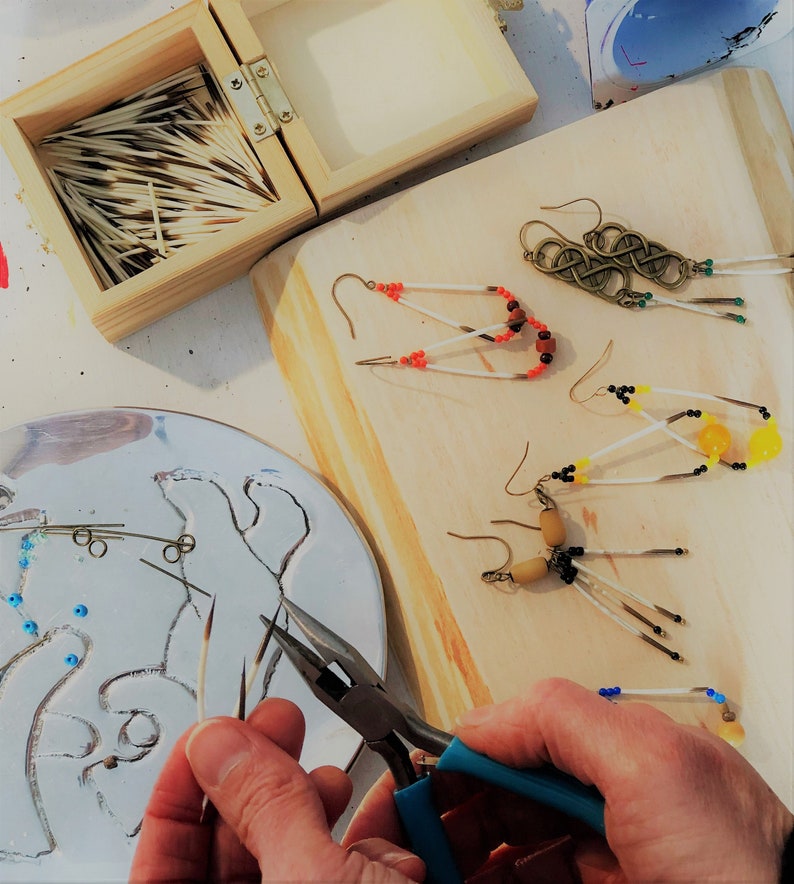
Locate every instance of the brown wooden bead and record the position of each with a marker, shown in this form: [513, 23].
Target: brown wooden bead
[530, 571]
[547, 346]
[552, 527]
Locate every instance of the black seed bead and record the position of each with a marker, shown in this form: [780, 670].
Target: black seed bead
[696, 471]
[546, 358]
[735, 466]
[675, 656]
[657, 630]
[571, 468]
[698, 413]
[555, 475]
[678, 619]
[704, 468]
[690, 412]
[679, 551]
[625, 400]
[765, 415]
[611, 388]
[513, 305]
[544, 335]
[564, 471]
[742, 466]
[632, 389]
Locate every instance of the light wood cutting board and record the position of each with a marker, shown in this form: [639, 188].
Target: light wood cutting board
[706, 167]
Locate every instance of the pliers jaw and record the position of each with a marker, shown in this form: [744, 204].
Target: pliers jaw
[363, 700]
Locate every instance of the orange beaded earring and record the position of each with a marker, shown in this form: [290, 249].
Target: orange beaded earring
[496, 333]
[602, 592]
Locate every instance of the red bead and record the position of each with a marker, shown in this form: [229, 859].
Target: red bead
[398, 286]
[498, 338]
[500, 289]
[546, 346]
[403, 360]
[379, 287]
[420, 353]
[542, 327]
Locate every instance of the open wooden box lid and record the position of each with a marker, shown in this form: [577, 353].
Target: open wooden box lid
[374, 89]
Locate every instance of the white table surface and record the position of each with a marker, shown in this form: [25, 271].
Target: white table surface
[213, 357]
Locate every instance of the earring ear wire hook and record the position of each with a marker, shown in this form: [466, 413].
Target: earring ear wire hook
[493, 575]
[370, 284]
[600, 391]
[581, 199]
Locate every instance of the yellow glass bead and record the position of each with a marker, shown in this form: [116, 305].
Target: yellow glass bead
[642, 388]
[714, 439]
[765, 443]
[732, 732]
[635, 405]
[582, 462]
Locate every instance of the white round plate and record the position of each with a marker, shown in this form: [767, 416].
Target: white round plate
[105, 650]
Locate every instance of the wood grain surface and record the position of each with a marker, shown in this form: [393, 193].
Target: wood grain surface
[704, 167]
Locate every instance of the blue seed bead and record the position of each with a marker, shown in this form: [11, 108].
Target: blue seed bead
[710, 692]
[80, 610]
[15, 600]
[616, 690]
[71, 660]
[30, 626]
[27, 543]
[719, 698]
[24, 561]
[603, 692]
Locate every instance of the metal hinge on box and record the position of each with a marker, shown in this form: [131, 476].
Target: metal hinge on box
[259, 99]
[499, 6]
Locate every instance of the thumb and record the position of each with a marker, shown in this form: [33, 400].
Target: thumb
[270, 803]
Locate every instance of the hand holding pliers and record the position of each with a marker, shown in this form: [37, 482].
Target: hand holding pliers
[342, 679]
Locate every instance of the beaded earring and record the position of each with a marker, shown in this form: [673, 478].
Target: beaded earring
[497, 333]
[566, 563]
[652, 260]
[729, 730]
[714, 440]
[602, 276]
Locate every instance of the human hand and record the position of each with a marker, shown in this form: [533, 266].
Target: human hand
[681, 804]
[272, 820]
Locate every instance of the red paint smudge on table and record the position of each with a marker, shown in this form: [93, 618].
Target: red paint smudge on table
[3, 268]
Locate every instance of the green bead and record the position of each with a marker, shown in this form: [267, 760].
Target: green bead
[708, 271]
[708, 262]
[640, 304]
[741, 320]
[738, 301]
[648, 296]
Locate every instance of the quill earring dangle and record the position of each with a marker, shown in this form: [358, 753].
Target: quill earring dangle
[602, 592]
[666, 267]
[729, 730]
[578, 266]
[500, 332]
[714, 440]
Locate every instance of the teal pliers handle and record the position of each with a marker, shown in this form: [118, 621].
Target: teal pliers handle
[546, 785]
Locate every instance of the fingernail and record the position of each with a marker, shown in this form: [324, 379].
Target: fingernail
[214, 749]
[475, 717]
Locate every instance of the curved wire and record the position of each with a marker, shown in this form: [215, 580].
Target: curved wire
[369, 283]
[600, 391]
[501, 540]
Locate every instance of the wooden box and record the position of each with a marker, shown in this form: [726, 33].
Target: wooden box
[335, 99]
